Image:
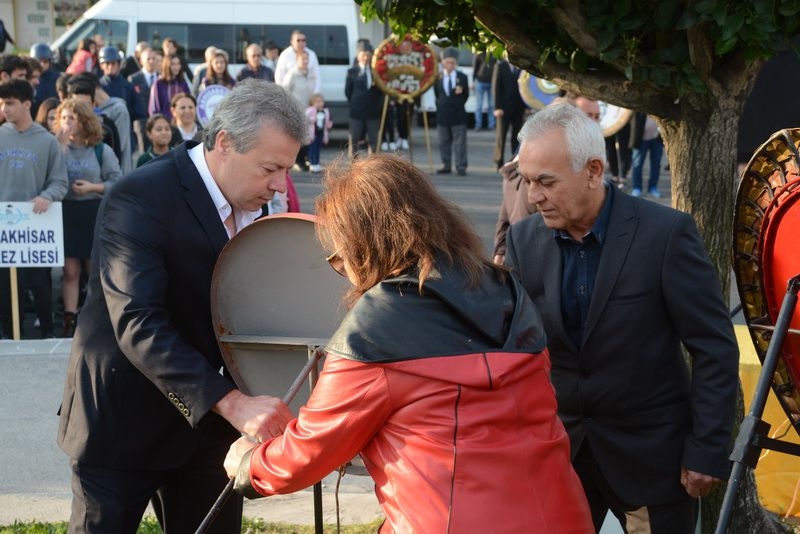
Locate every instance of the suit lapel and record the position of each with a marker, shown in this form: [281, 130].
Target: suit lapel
[546, 247]
[622, 224]
[199, 201]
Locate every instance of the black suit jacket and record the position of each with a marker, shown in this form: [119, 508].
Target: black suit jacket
[626, 389]
[144, 369]
[365, 102]
[505, 87]
[450, 109]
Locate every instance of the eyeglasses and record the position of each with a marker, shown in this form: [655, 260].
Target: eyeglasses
[337, 263]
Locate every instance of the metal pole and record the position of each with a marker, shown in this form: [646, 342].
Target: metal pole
[751, 423]
[287, 399]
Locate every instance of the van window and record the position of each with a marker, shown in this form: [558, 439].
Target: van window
[115, 33]
[328, 41]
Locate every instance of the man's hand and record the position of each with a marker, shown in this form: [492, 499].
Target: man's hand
[40, 204]
[498, 113]
[509, 170]
[234, 458]
[697, 484]
[261, 417]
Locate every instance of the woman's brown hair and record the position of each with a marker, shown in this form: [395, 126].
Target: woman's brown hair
[88, 123]
[388, 219]
[166, 63]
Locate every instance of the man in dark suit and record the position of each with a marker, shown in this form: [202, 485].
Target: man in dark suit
[142, 81]
[149, 409]
[365, 98]
[451, 91]
[621, 283]
[509, 109]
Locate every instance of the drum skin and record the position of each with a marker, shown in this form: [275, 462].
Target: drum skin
[273, 299]
[767, 255]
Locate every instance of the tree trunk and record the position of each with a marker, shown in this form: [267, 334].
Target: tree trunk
[701, 148]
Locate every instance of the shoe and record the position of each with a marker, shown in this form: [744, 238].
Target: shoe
[296, 167]
[316, 168]
[69, 324]
[636, 192]
[462, 172]
[384, 146]
[403, 144]
[392, 147]
[443, 170]
[654, 193]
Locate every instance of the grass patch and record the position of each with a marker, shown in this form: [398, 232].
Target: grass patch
[149, 525]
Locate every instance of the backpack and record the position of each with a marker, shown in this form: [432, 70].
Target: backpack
[111, 135]
[98, 153]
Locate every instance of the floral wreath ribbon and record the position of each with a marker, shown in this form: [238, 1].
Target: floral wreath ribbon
[404, 69]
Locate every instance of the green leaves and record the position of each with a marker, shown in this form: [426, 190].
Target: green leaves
[644, 41]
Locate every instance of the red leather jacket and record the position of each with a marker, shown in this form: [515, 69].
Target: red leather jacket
[464, 441]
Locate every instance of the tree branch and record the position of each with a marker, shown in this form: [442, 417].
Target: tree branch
[602, 83]
[569, 15]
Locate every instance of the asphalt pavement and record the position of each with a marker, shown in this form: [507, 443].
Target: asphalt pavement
[35, 473]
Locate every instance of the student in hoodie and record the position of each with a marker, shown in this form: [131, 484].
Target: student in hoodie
[33, 170]
[437, 376]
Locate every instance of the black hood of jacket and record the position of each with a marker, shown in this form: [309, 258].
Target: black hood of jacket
[394, 321]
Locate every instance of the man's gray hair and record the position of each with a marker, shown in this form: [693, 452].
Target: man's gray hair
[585, 140]
[243, 111]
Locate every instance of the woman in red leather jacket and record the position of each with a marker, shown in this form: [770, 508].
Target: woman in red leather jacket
[438, 375]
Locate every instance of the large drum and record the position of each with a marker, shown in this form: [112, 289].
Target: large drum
[274, 300]
[766, 254]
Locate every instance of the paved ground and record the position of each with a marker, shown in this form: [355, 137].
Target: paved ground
[34, 473]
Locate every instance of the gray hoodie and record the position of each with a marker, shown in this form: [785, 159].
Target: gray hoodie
[31, 165]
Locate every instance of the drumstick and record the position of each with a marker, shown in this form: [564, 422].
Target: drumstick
[287, 399]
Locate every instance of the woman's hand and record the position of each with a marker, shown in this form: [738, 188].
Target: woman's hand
[62, 136]
[83, 187]
[235, 453]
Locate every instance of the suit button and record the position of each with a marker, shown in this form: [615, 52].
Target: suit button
[181, 406]
[185, 412]
[170, 395]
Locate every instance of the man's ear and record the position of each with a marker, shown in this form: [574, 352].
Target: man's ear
[596, 170]
[222, 143]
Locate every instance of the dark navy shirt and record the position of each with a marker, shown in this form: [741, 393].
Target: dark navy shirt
[579, 269]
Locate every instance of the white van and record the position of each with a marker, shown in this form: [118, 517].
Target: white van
[331, 26]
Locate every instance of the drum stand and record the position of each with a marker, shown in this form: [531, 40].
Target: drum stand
[753, 432]
[309, 372]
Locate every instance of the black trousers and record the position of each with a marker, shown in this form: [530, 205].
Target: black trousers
[110, 500]
[36, 279]
[670, 518]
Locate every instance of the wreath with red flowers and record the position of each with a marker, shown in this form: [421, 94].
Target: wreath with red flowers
[404, 69]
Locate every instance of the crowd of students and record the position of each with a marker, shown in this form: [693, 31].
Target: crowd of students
[107, 114]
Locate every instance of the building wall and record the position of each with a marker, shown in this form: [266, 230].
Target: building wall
[39, 21]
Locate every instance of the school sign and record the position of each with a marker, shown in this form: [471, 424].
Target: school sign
[30, 239]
